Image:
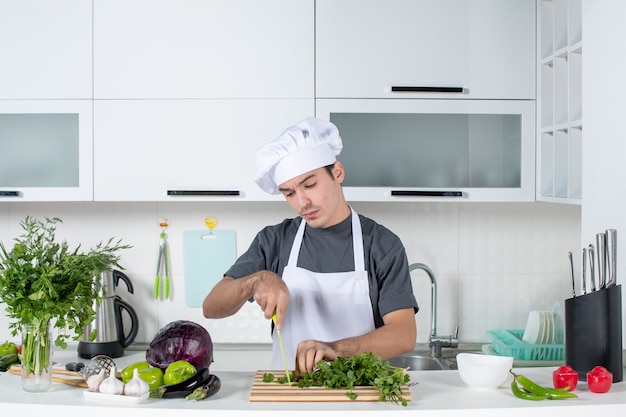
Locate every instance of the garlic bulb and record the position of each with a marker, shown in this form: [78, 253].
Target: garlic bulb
[112, 385]
[94, 381]
[136, 387]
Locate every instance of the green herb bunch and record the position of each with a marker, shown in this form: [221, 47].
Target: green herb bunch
[366, 369]
[43, 282]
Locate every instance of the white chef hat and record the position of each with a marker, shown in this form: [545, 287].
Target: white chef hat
[310, 144]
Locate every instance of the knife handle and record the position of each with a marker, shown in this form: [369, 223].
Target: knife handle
[592, 269]
[611, 256]
[601, 257]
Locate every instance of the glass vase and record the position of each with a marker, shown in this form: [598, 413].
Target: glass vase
[37, 357]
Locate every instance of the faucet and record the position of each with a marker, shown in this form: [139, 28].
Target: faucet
[435, 342]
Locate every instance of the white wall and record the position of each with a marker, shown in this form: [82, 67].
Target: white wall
[604, 114]
[494, 261]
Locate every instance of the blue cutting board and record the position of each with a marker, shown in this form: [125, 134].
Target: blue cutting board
[206, 258]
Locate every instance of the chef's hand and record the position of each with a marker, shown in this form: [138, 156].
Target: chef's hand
[271, 294]
[310, 352]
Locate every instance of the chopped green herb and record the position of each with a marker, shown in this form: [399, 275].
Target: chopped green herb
[366, 369]
[268, 377]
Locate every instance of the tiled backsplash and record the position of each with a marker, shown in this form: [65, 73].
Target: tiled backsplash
[493, 261]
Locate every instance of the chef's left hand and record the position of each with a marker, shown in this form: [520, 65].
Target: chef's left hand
[310, 352]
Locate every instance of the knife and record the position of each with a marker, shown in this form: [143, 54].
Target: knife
[592, 269]
[611, 256]
[282, 349]
[583, 274]
[571, 272]
[601, 264]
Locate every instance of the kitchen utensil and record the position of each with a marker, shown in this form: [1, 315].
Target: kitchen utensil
[571, 272]
[559, 323]
[593, 331]
[483, 371]
[534, 328]
[96, 364]
[207, 256]
[75, 382]
[282, 349]
[601, 258]
[163, 263]
[592, 269]
[110, 335]
[93, 367]
[611, 254]
[583, 274]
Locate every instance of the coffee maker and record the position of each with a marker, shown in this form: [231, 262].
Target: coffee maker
[111, 338]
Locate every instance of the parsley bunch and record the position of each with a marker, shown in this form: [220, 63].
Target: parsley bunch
[42, 281]
[366, 369]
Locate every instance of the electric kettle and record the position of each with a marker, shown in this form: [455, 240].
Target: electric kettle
[111, 339]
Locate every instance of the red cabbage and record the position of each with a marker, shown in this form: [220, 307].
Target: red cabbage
[181, 340]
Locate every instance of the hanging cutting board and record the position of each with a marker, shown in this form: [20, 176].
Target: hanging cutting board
[277, 392]
[206, 258]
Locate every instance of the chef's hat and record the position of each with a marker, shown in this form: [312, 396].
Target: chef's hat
[310, 144]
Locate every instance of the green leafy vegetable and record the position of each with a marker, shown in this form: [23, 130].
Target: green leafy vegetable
[42, 281]
[366, 369]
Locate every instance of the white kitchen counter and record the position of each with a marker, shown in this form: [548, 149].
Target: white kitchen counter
[438, 393]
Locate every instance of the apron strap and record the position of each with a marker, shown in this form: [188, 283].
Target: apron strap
[357, 243]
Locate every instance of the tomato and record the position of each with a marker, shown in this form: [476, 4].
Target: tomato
[178, 371]
[599, 379]
[565, 376]
[8, 348]
[127, 373]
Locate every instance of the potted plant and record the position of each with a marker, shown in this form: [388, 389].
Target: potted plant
[46, 285]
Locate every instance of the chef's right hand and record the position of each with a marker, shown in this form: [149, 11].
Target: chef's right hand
[271, 294]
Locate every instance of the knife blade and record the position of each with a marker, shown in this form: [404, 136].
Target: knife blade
[282, 349]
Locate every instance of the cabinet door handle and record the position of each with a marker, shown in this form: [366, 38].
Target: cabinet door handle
[9, 193]
[212, 193]
[410, 193]
[425, 89]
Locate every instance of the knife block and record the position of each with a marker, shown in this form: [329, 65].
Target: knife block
[593, 332]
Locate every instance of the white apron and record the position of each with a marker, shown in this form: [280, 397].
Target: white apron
[324, 307]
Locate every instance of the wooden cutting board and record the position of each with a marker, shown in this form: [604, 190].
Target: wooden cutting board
[275, 392]
[206, 258]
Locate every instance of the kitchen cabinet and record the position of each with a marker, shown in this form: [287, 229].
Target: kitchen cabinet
[559, 127]
[190, 49]
[45, 49]
[46, 150]
[368, 49]
[185, 150]
[435, 150]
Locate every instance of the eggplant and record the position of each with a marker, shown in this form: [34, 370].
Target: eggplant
[184, 388]
[210, 388]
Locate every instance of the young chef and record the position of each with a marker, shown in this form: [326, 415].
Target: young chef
[338, 281]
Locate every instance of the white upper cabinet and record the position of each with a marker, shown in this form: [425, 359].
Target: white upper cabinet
[46, 150]
[203, 49]
[369, 48]
[45, 49]
[186, 150]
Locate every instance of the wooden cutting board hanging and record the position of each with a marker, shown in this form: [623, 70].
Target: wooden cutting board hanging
[276, 392]
[206, 257]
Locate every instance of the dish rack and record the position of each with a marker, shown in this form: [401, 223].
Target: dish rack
[509, 343]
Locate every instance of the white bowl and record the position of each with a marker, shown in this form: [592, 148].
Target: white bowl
[483, 371]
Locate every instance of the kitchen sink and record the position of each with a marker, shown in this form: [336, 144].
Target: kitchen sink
[419, 362]
[423, 360]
